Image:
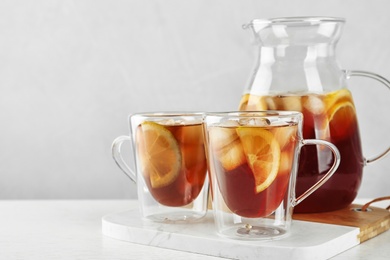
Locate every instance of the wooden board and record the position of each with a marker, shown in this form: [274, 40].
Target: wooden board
[371, 223]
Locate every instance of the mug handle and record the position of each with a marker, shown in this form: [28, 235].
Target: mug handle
[117, 155]
[332, 170]
[384, 81]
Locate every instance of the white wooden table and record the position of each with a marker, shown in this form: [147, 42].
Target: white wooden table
[72, 229]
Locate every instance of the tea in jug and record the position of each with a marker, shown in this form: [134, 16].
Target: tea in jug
[296, 70]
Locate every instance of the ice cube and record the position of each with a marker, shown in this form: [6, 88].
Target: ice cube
[191, 122]
[315, 105]
[169, 121]
[229, 123]
[292, 103]
[277, 122]
[284, 135]
[272, 103]
[254, 121]
[286, 162]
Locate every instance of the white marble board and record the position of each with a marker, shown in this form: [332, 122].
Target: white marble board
[308, 240]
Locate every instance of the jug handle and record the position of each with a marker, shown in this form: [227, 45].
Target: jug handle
[384, 81]
[117, 155]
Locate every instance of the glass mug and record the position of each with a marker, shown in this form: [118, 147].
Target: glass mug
[296, 69]
[170, 168]
[253, 162]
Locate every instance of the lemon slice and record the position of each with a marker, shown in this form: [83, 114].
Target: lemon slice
[262, 154]
[159, 154]
[227, 147]
[285, 135]
[341, 117]
[342, 112]
[339, 96]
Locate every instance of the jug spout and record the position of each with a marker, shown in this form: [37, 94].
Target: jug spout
[290, 31]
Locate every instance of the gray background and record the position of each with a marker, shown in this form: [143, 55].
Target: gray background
[72, 71]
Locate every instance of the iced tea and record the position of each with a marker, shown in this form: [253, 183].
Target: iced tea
[172, 160]
[253, 166]
[331, 117]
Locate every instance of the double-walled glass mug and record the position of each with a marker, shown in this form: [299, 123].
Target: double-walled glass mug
[170, 168]
[253, 162]
[296, 69]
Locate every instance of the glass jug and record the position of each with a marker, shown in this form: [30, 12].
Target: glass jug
[296, 69]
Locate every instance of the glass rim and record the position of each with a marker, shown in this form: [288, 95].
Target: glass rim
[251, 114]
[162, 114]
[295, 20]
